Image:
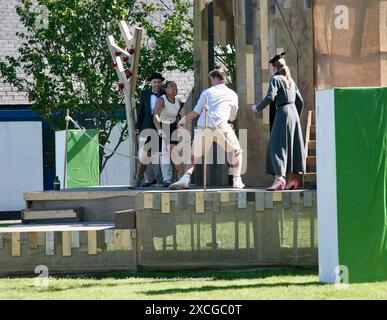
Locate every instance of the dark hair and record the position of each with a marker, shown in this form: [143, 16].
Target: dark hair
[219, 74]
[169, 82]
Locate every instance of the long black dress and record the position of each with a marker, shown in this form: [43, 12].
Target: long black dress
[286, 151]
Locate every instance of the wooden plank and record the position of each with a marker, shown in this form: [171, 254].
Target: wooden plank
[16, 245]
[250, 81]
[286, 200]
[81, 226]
[242, 200]
[41, 239]
[216, 29]
[157, 201]
[296, 197]
[165, 203]
[126, 239]
[264, 32]
[92, 242]
[277, 196]
[66, 244]
[308, 199]
[75, 242]
[33, 240]
[223, 32]
[225, 197]
[118, 240]
[199, 202]
[140, 202]
[249, 23]
[266, 111]
[259, 201]
[109, 236]
[148, 201]
[268, 200]
[136, 59]
[216, 203]
[295, 235]
[49, 214]
[101, 244]
[50, 243]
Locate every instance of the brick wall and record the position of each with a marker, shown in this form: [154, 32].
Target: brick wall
[10, 24]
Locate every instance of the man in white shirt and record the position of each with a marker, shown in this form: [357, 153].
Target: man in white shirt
[222, 108]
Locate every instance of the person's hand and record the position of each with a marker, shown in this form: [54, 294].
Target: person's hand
[162, 134]
[182, 121]
[254, 107]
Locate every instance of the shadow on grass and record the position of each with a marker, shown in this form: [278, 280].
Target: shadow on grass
[210, 275]
[231, 287]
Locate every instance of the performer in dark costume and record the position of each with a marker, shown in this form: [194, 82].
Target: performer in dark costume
[286, 151]
[145, 111]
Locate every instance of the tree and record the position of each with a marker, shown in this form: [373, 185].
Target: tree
[64, 63]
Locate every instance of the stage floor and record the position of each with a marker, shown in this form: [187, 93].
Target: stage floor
[102, 191]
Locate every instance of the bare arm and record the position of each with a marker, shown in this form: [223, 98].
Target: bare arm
[158, 108]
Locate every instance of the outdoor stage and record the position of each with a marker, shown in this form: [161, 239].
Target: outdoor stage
[172, 230]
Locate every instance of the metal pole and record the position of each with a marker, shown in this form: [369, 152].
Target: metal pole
[205, 146]
[65, 151]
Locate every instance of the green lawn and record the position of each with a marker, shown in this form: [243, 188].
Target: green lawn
[260, 284]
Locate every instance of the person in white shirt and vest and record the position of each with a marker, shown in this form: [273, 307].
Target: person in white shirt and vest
[222, 109]
[166, 116]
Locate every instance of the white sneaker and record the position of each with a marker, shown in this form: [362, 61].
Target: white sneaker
[183, 183]
[238, 184]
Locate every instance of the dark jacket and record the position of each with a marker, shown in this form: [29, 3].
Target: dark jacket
[279, 95]
[144, 111]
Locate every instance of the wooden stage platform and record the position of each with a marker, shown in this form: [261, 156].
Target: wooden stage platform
[174, 230]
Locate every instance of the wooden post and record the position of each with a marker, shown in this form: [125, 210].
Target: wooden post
[205, 146]
[129, 82]
[65, 151]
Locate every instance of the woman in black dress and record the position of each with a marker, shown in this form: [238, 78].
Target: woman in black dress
[285, 152]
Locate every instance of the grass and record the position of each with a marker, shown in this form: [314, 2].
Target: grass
[230, 285]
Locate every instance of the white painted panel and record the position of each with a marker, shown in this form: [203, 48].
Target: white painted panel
[21, 162]
[117, 169]
[326, 186]
[60, 139]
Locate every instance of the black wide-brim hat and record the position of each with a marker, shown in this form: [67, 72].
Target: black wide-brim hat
[156, 76]
[277, 57]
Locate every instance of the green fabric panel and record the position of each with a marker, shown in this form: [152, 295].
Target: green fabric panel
[361, 160]
[82, 159]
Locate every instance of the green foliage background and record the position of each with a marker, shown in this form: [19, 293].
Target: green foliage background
[67, 65]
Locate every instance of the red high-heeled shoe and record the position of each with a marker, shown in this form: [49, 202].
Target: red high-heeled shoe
[278, 185]
[292, 185]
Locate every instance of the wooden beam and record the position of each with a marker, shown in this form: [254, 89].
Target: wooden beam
[16, 245]
[165, 203]
[50, 243]
[92, 242]
[33, 240]
[66, 244]
[199, 202]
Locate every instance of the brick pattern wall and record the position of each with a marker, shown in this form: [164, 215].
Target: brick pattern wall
[10, 24]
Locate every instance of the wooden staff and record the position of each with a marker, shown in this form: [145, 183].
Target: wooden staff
[205, 146]
[65, 153]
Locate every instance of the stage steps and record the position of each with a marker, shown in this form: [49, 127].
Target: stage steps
[310, 177]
